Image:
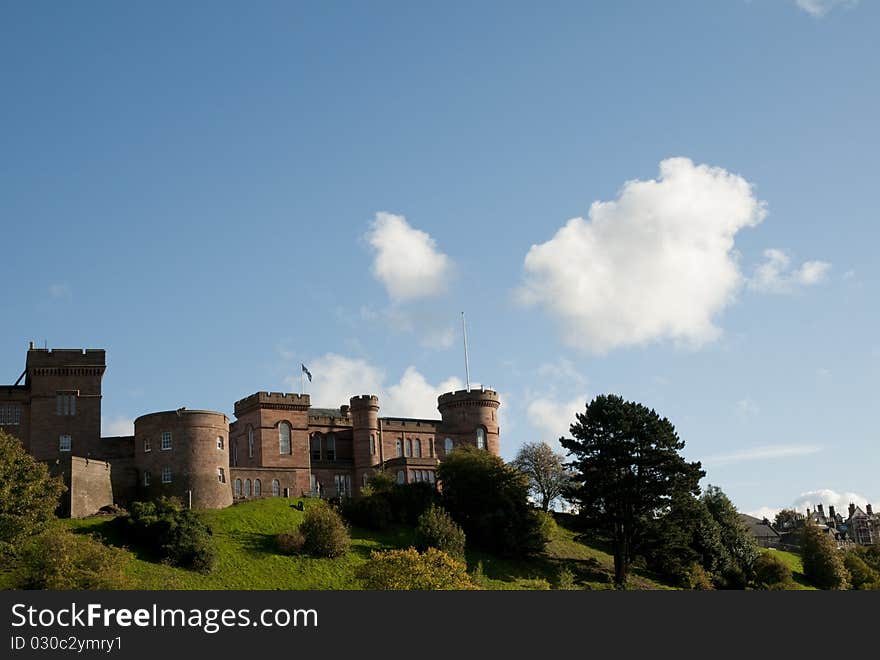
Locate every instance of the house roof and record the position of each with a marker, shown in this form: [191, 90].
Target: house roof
[758, 527]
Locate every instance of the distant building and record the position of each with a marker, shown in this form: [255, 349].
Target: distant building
[762, 529]
[278, 445]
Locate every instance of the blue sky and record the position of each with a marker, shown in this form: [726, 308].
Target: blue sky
[215, 193]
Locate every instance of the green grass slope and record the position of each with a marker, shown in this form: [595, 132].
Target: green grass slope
[245, 536]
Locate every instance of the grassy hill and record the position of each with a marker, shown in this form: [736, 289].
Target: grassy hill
[245, 535]
[797, 568]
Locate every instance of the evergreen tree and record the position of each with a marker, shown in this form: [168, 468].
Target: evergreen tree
[739, 544]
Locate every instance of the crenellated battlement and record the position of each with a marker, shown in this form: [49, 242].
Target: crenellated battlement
[48, 358]
[364, 401]
[473, 397]
[274, 400]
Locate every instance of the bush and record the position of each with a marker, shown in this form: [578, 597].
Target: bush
[370, 512]
[863, 577]
[177, 535]
[409, 501]
[697, 578]
[58, 559]
[770, 572]
[324, 533]
[405, 570]
[565, 580]
[290, 543]
[437, 529]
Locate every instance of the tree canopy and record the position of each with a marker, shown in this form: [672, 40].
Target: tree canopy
[548, 478]
[628, 467]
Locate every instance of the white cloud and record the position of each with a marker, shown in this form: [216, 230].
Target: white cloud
[819, 8]
[116, 426]
[407, 260]
[775, 275]
[336, 378]
[767, 512]
[60, 291]
[827, 497]
[656, 263]
[553, 417]
[763, 453]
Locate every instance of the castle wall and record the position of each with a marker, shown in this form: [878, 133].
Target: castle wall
[287, 480]
[465, 411]
[194, 459]
[90, 486]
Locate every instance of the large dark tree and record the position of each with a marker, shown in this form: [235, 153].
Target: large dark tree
[739, 543]
[548, 478]
[628, 469]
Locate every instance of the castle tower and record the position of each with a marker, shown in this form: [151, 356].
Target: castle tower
[365, 437]
[64, 389]
[185, 454]
[470, 417]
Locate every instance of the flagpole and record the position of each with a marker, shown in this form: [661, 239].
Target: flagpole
[467, 368]
[302, 383]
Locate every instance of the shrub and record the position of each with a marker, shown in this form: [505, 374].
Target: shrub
[437, 529]
[770, 572]
[697, 578]
[324, 533]
[565, 580]
[370, 512]
[409, 501]
[410, 570]
[58, 559]
[290, 543]
[861, 574]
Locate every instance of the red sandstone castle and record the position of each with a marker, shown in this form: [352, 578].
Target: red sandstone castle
[278, 445]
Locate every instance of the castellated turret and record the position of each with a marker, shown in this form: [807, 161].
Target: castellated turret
[364, 411]
[185, 454]
[470, 417]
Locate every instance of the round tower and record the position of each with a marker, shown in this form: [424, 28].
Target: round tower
[469, 417]
[185, 454]
[365, 437]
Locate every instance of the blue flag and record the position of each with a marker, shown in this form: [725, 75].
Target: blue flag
[307, 372]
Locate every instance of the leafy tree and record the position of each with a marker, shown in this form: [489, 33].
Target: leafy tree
[28, 495]
[628, 467]
[411, 570]
[437, 529]
[489, 499]
[739, 543]
[770, 572]
[823, 563]
[548, 478]
[862, 576]
[788, 519]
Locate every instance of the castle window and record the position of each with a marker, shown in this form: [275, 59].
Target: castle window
[331, 447]
[10, 415]
[235, 454]
[258, 488]
[401, 477]
[237, 488]
[481, 438]
[373, 445]
[148, 447]
[166, 475]
[219, 442]
[315, 446]
[418, 448]
[409, 446]
[64, 443]
[166, 440]
[399, 447]
[250, 441]
[431, 476]
[447, 445]
[431, 446]
[247, 488]
[65, 403]
[284, 438]
[276, 488]
[221, 475]
[146, 478]
[343, 485]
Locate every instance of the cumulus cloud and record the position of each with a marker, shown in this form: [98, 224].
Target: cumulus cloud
[775, 274]
[656, 263]
[553, 417]
[762, 512]
[827, 497]
[407, 260]
[336, 378]
[762, 453]
[116, 426]
[819, 8]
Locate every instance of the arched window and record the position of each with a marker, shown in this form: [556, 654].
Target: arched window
[447, 445]
[247, 488]
[276, 488]
[331, 447]
[481, 438]
[258, 488]
[250, 441]
[399, 447]
[284, 438]
[401, 477]
[418, 449]
[237, 490]
[409, 446]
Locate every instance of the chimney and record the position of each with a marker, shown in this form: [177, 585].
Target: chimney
[869, 509]
[820, 509]
[852, 509]
[831, 511]
[30, 345]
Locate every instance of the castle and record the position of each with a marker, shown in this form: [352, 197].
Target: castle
[277, 445]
